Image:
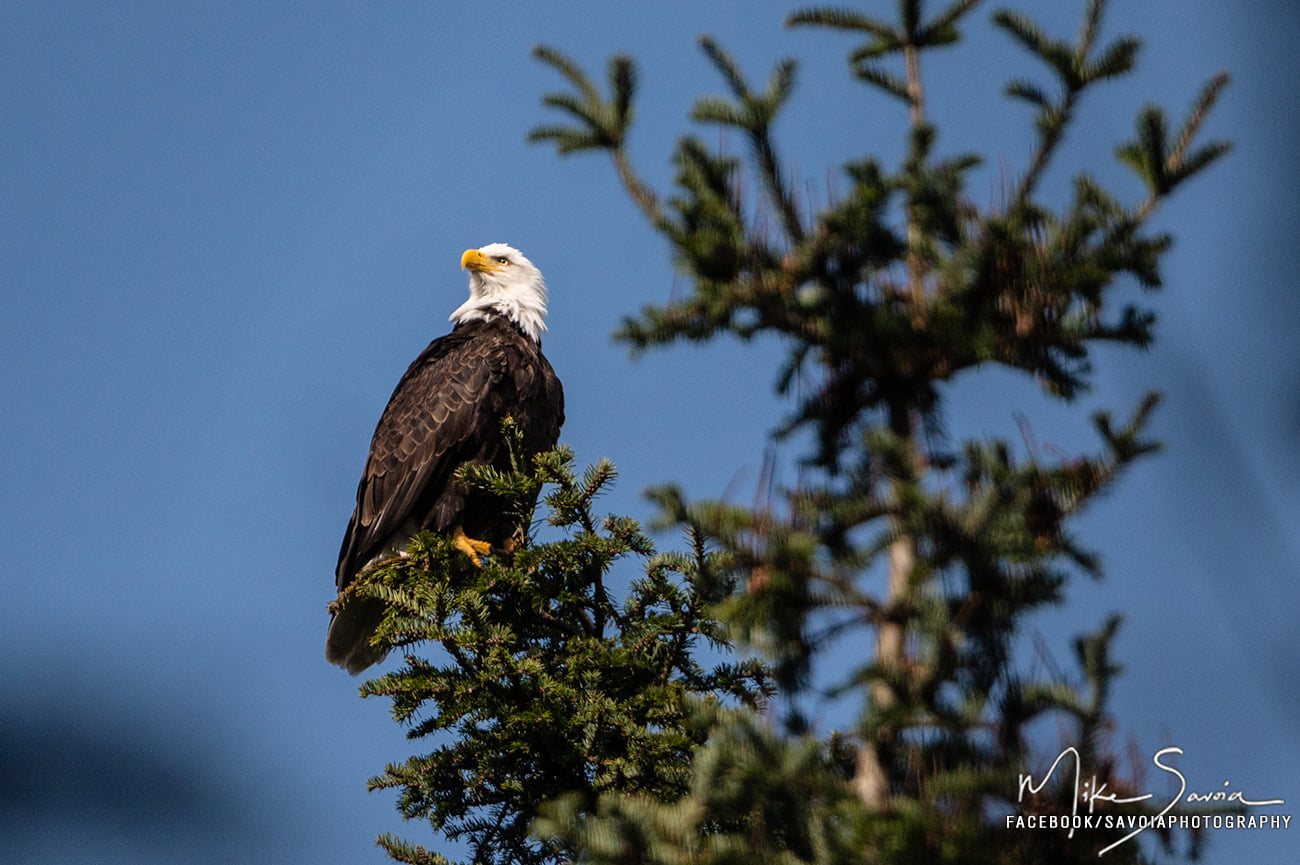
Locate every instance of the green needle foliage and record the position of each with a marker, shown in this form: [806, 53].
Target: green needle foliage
[913, 563]
[545, 683]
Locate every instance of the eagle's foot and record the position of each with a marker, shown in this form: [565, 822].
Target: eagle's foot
[471, 547]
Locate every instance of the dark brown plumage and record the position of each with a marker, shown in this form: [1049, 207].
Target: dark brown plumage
[445, 412]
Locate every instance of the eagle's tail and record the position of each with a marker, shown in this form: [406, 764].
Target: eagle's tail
[348, 643]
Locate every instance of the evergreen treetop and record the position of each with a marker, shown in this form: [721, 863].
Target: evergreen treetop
[545, 683]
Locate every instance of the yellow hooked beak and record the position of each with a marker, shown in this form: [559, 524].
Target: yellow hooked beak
[472, 259]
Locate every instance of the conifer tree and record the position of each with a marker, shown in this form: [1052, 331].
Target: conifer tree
[546, 684]
[916, 562]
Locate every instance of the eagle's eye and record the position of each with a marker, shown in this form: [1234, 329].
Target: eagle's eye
[501, 259]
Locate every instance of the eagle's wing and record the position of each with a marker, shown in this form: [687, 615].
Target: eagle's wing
[422, 436]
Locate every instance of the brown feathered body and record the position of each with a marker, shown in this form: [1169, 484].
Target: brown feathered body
[445, 412]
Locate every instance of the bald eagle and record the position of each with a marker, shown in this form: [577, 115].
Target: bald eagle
[446, 412]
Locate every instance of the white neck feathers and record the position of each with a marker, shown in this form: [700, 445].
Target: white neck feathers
[525, 307]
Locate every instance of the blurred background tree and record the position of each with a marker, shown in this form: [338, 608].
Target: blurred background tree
[909, 558]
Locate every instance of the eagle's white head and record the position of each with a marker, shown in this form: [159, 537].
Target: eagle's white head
[503, 282]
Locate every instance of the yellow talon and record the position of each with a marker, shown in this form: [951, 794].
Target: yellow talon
[471, 547]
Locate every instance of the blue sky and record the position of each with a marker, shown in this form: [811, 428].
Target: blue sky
[228, 227]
